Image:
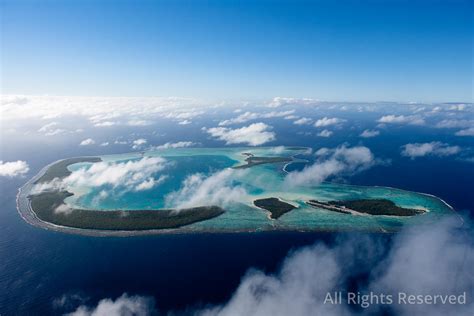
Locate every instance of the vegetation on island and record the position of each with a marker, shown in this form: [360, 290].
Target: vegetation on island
[59, 169]
[367, 206]
[50, 207]
[254, 161]
[276, 207]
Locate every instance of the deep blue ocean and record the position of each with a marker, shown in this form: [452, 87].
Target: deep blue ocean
[38, 267]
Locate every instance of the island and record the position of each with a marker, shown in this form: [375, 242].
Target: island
[49, 206]
[252, 160]
[367, 206]
[46, 205]
[275, 206]
[198, 190]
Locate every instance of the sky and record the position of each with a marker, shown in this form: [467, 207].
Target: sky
[215, 50]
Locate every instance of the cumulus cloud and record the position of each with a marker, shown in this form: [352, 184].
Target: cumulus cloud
[248, 116]
[175, 145]
[86, 142]
[326, 121]
[454, 123]
[434, 259]
[303, 121]
[466, 132]
[325, 133]
[434, 149]
[132, 175]
[402, 119]
[253, 135]
[333, 162]
[369, 133]
[12, 169]
[124, 305]
[219, 188]
[282, 101]
[138, 143]
[99, 111]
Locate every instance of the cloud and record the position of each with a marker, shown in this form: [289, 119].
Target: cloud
[466, 132]
[402, 119]
[431, 259]
[138, 143]
[325, 133]
[218, 189]
[99, 111]
[150, 183]
[86, 142]
[453, 123]
[281, 101]
[139, 123]
[105, 124]
[248, 116]
[12, 169]
[133, 175]
[303, 121]
[332, 162]
[51, 129]
[434, 149]
[175, 145]
[123, 306]
[369, 133]
[63, 209]
[185, 122]
[325, 121]
[253, 135]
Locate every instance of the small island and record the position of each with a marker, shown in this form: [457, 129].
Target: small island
[275, 206]
[366, 206]
[254, 161]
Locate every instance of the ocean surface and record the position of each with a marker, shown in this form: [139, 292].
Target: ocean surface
[39, 267]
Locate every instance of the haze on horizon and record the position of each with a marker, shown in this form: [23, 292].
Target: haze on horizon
[345, 51]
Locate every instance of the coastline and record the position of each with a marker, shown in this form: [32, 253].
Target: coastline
[28, 215]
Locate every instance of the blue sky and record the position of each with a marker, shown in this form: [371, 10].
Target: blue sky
[329, 50]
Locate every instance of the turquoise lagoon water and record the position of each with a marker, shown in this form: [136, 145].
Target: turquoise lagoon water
[258, 181]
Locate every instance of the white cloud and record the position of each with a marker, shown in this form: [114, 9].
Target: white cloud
[138, 143]
[104, 144]
[402, 119]
[332, 162]
[325, 133]
[303, 121]
[415, 150]
[253, 135]
[185, 122]
[124, 305]
[175, 145]
[281, 101]
[466, 132]
[139, 123]
[105, 124]
[100, 111]
[433, 259]
[63, 209]
[133, 175]
[217, 189]
[150, 183]
[453, 123]
[325, 121]
[248, 116]
[369, 133]
[86, 142]
[13, 168]
[51, 129]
